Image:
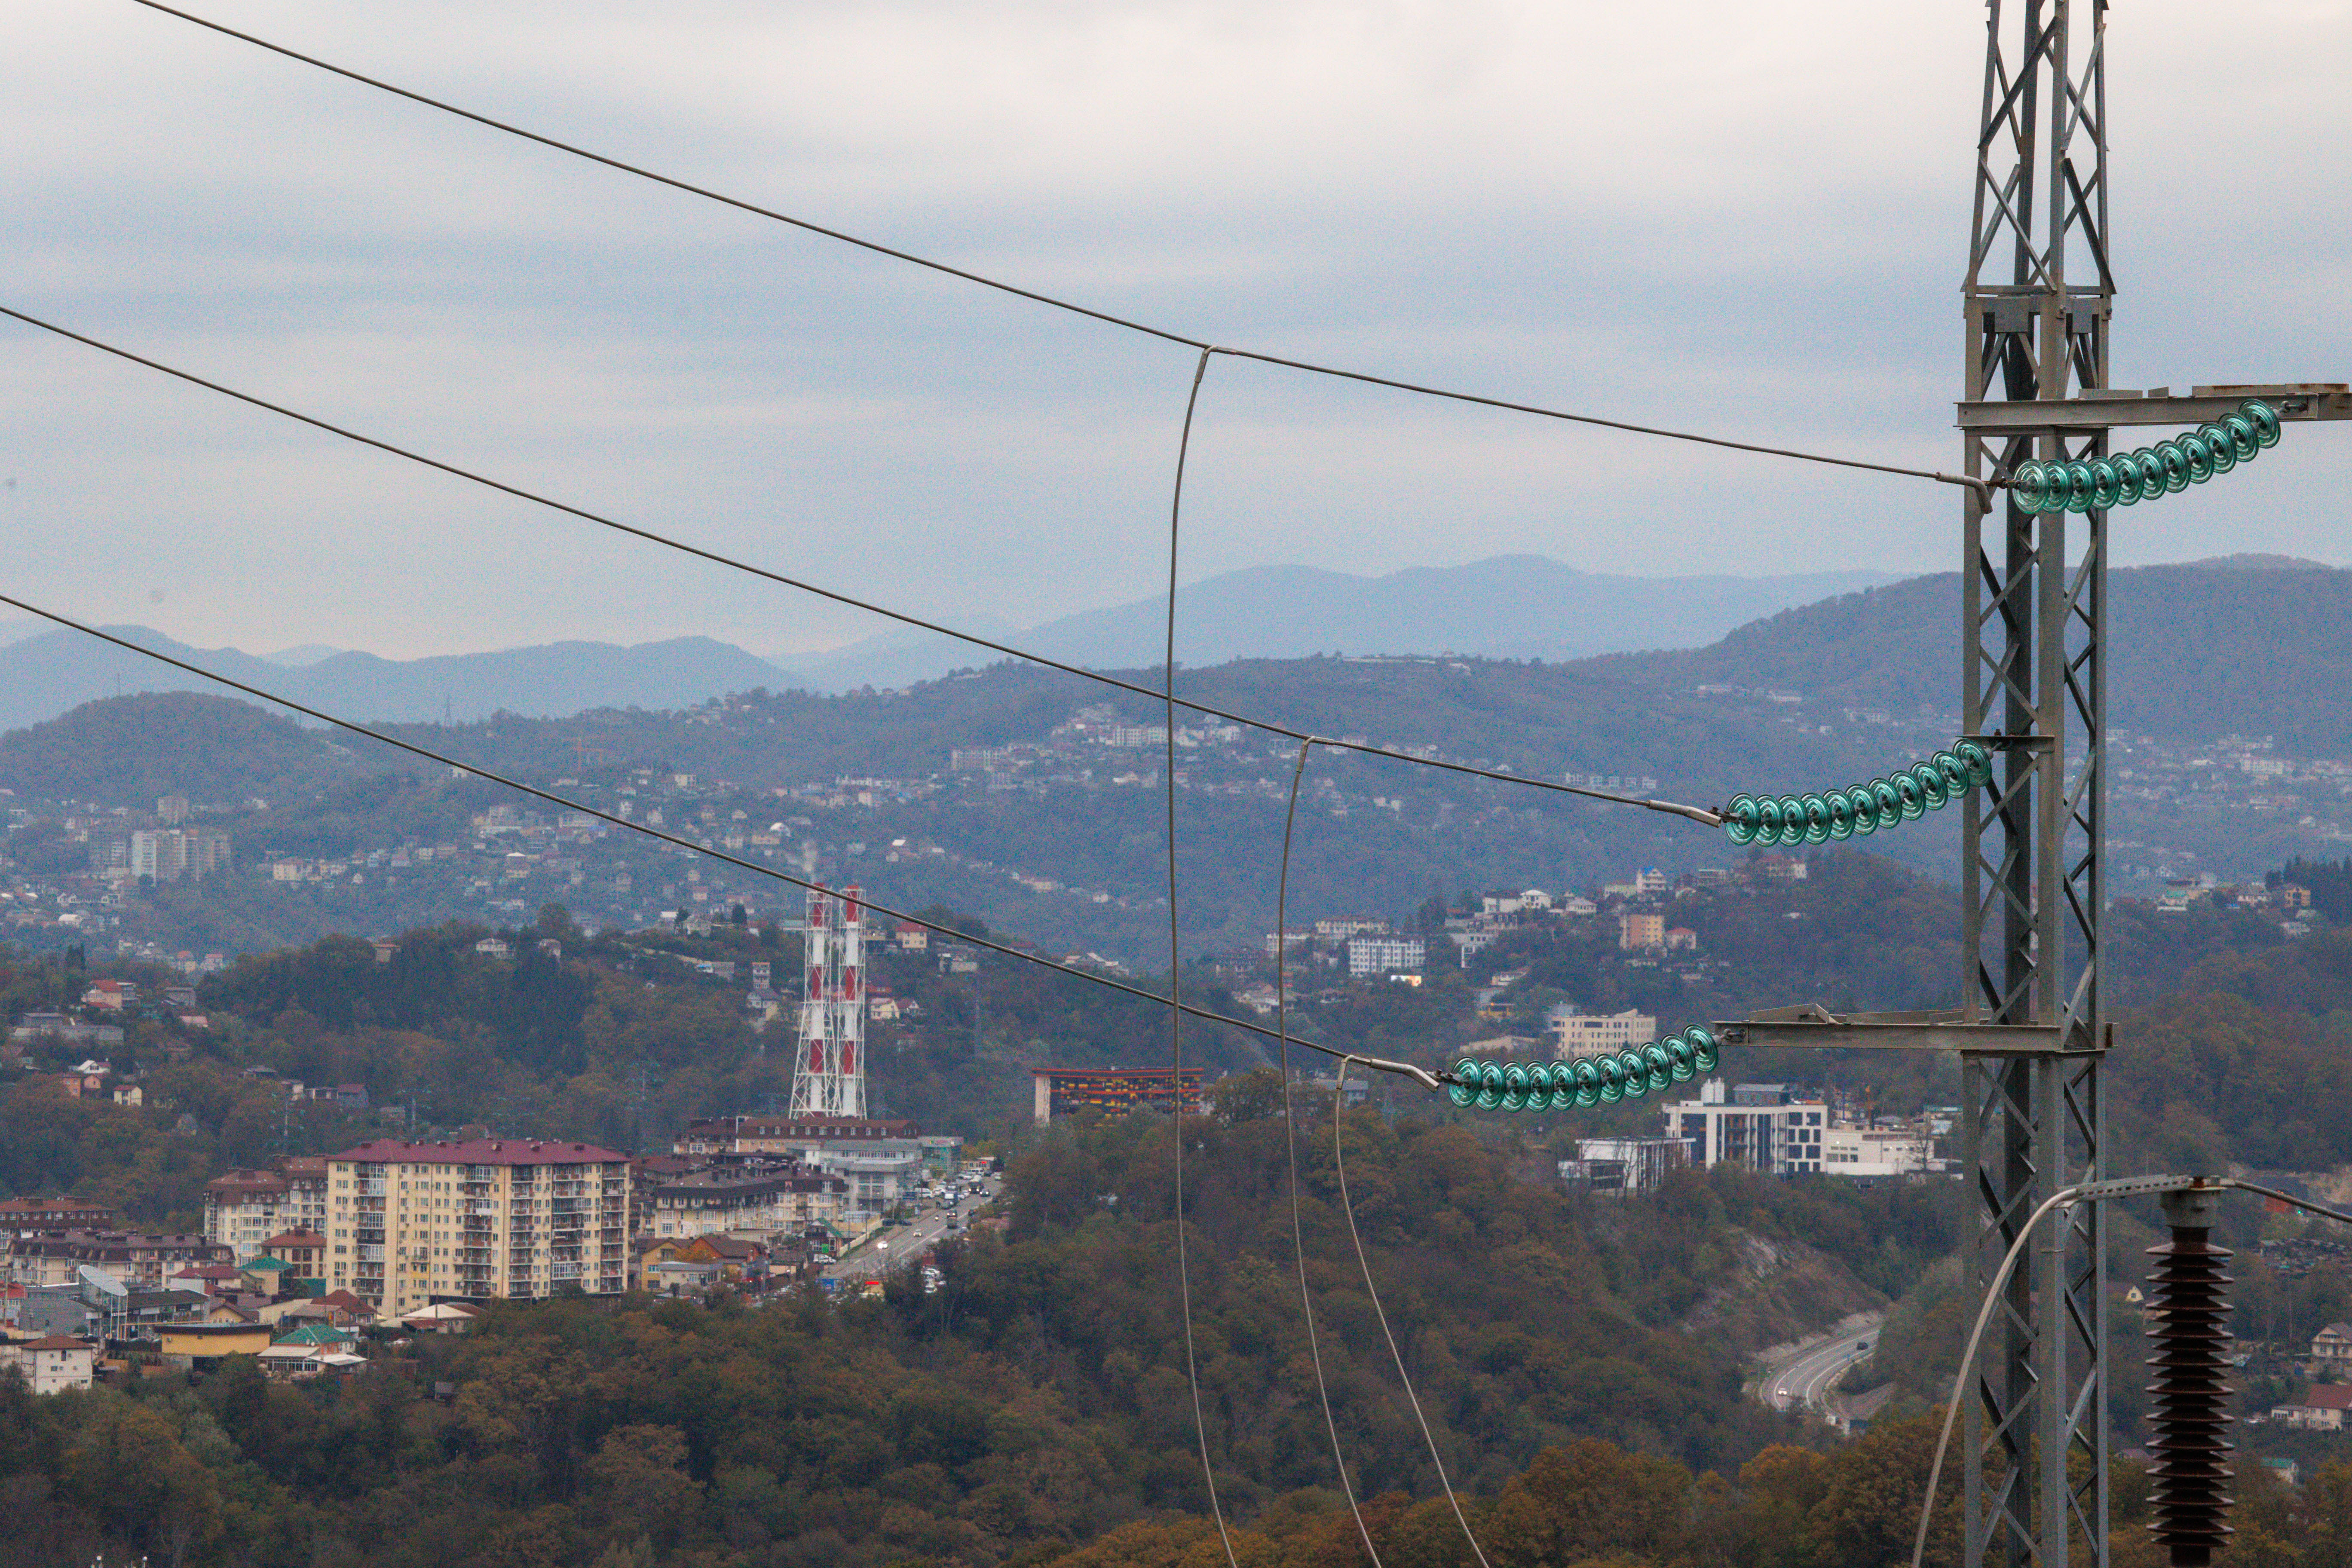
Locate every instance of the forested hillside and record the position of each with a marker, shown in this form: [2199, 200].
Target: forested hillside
[1034, 1402]
[2239, 645]
[131, 749]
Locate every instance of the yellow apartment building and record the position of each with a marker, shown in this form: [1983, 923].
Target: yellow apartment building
[482, 1219]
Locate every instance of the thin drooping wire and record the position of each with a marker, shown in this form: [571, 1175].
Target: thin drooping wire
[1176, 976]
[2064, 1197]
[1290, 1140]
[1969, 1355]
[1339, 1160]
[1695, 813]
[430, 755]
[1090, 312]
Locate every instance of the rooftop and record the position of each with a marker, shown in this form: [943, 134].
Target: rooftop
[479, 1151]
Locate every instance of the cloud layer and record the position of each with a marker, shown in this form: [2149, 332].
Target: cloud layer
[1743, 219]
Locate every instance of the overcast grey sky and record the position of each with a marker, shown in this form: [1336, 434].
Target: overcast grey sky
[1747, 219]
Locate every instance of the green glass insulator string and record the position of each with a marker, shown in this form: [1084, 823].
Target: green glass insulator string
[2166, 468]
[1905, 796]
[1604, 1080]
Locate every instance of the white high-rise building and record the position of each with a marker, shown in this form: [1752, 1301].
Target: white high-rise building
[1385, 954]
[166, 853]
[1755, 1124]
[1605, 1034]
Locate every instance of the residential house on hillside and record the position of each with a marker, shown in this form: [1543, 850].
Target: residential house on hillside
[304, 1253]
[51, 1364]
[33, 1026]
[137, 1258]
[753, 1197]
[2333, 1345]
[688, 1265]
[2321, 1408]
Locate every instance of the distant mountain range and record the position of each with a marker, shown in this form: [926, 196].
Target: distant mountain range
[1517, 606]
[2257, 645]
[1508, 606]
[45, 675]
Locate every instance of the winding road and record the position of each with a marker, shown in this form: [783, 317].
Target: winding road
[1801, 1376]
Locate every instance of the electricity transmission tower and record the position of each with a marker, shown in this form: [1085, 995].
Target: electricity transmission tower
[2038, 298]
[2031, 1032]
[2034, 854]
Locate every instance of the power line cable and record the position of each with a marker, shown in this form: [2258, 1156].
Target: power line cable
[1363, 1261]
[2066, 1198]
[1693, 812]
[1423, 1075]
[1981, 486]
[1176, 975]
[1290, 1143]
[1339, 1162]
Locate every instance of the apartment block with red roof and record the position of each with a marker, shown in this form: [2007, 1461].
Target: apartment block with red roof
[409, 1224]
[28, 1216]
[244, 1208]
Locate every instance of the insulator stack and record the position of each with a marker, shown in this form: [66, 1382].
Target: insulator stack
[2166, 468]
[1604, 1080]
[2188, 1395]
[1904, 795]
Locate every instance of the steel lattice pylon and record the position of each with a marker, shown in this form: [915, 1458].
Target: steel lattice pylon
[2034, 634]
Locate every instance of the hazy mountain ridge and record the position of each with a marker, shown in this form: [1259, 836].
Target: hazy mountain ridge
[46, 675]
[1517, 607]
[212, 748]
[1507, 606]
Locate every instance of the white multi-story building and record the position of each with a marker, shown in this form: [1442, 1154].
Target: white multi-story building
[1876, 1152]
[749, 1202]
[244, 1208]
[1385, 954]
[51, 1363]
[1340, 928]
[1753, 1124]
[1579, 1034]
[878, 1179]
[479, 1218]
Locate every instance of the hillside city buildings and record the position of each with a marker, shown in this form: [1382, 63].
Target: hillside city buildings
[879, 1163]
[1768, 1129]
[244, 1208]
[1061, 1091]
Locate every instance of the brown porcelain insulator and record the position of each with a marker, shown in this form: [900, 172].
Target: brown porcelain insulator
[2189, 1396]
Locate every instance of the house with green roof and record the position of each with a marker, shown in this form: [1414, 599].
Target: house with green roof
[315, 1333]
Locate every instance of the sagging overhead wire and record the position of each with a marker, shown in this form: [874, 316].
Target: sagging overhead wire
[2065, 1199]
[1339, 1161]
[1105, 317]
[1291, 1145]
[1176, 978]
[1364, 1262]
[1421, 1076]
[1695, 813]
